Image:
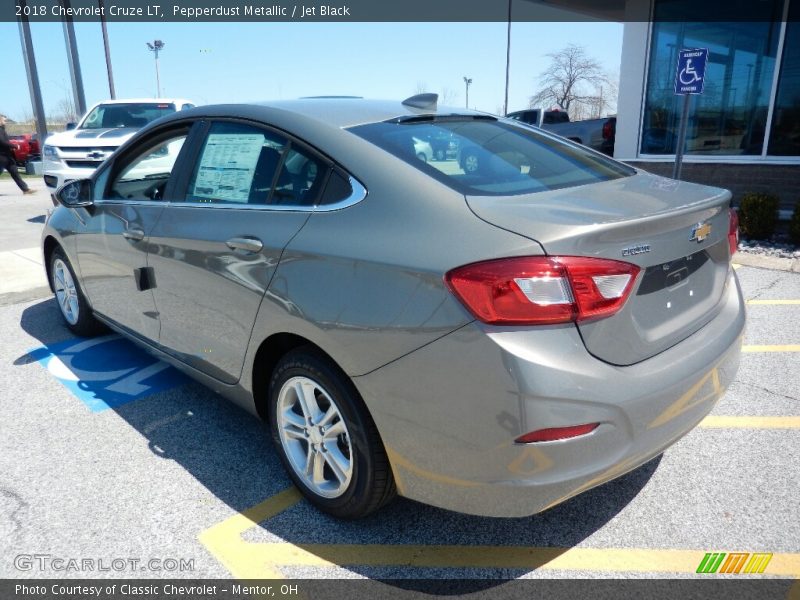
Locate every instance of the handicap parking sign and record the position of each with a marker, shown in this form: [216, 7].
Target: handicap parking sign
[107, 371]
[691, 71]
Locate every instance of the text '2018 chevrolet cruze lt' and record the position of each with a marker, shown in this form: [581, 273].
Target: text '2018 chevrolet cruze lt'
[492, 340]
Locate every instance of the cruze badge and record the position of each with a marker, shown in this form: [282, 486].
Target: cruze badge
[700, 232]
[634, 250]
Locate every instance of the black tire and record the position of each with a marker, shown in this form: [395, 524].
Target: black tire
[371, 484]
[85, 325]
[471, 162]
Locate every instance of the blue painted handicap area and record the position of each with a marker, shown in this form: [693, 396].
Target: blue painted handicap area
[107, 371]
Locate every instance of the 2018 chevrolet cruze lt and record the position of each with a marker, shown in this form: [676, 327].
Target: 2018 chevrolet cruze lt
[492, 340]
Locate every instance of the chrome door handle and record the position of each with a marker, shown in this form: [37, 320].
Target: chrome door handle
[137, 235]
[248, 244]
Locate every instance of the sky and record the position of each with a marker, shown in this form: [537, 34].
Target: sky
[212, 63]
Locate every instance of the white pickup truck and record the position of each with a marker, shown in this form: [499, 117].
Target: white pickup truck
[77, 152]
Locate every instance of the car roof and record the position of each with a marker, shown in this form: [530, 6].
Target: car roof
[145, 101]
[337, 112]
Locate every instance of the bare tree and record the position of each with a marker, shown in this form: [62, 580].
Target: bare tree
[65, 110]
[26, 116]
[448, 96]
[421, 88]
[575, 83]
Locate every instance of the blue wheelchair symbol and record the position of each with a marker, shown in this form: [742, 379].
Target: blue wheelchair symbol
[688, 74]
[107, 371]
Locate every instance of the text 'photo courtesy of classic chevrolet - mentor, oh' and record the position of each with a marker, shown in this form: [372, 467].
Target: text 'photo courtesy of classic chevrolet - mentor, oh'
[491, 341]
[75, 153]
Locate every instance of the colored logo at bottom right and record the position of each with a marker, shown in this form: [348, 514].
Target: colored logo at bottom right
[734, 562]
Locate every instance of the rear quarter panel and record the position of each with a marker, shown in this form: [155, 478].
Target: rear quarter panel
[365, 283]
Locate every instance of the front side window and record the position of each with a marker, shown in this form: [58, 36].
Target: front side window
[730, 117]
[145, 175]
[134, 115]
[494, 157]
[242, 164]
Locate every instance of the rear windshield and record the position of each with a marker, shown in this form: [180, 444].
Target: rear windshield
[133, 115]
[491, 157]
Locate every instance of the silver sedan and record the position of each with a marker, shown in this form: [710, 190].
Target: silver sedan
[492, 340]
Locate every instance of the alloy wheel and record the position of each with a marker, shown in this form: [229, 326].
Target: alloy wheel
[66, 292]
[314, 437]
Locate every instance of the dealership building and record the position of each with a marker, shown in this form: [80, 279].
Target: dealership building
[743, 132]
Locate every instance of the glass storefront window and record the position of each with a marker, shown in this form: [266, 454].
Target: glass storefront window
[730, 117]
[784, 138]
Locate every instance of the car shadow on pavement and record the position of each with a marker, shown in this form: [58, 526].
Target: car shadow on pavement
[230, 452]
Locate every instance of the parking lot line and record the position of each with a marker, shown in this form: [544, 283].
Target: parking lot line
[736, 422]
[631, 560]
[771, 348]
[252, 560]
[224, 540]
[773, 302]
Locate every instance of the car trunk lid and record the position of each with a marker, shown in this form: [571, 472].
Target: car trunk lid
[676, 232]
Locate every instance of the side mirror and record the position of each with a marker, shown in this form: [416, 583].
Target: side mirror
[75, 193]
[71, 126]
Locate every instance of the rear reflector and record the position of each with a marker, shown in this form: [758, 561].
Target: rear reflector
[733, 231]
[556, 433]
[541, 290]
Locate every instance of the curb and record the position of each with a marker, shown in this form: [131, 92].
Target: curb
[773, 263]
[36, 293]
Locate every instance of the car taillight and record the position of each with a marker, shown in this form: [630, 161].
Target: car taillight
[607, 133]
[541, 290]
[733, 231]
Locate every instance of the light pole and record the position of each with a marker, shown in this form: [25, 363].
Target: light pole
[508, 59]
[155, 48]
[467, 81]
[107, 50]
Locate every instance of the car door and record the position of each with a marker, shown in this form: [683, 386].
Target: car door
[215, 249]
[130, 195]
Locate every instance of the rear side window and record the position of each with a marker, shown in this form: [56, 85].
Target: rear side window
[337, 189]
[555, 116]
[495, 158]
[242, 164]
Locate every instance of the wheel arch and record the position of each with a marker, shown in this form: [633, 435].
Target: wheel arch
[49, 245]
[269, 353]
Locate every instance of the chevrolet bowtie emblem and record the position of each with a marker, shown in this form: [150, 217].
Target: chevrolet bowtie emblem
[700, 232]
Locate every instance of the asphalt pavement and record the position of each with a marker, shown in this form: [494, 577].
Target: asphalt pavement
[165, 469]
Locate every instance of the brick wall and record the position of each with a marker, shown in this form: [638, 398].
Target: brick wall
[782, 180]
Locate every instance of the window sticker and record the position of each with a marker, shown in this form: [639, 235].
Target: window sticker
[227, 167]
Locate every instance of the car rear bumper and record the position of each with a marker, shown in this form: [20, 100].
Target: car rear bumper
[448, 413]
